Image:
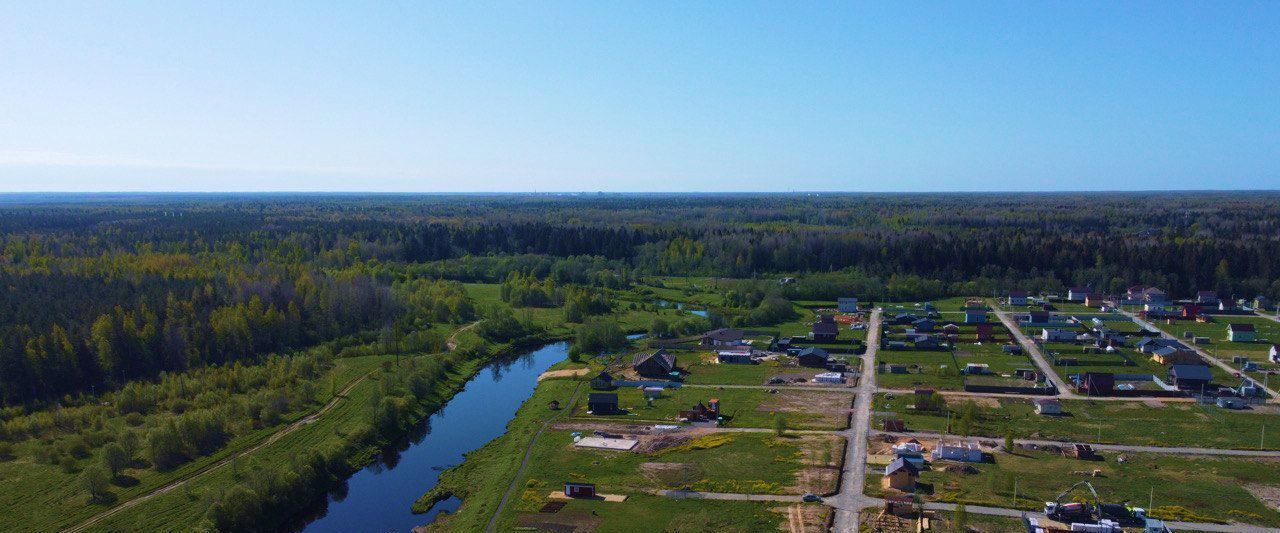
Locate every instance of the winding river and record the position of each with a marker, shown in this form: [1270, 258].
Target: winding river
[378, 497]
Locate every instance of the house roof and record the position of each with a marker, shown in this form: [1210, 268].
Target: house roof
[813, 351]
[724, 334]
[901, 464]
[1018, 294]
[826, 327]
[1191, 372]
[1048, 401]
[663, 358]
[1239, 327]
[602, 397]
[604, 376]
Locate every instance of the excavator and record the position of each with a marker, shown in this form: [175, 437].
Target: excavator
[1106, 516]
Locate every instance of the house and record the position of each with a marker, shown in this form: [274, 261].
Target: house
[1191, 311]
[951, 329]
[1015, 349]
[1095, 300]
[1175, 355]
[1151, 344]
[1096, 383]
[739, 356]
[900, 475]
[1017, 298]
[975, 369]
[915, 458]
[1134, 292]
[602, 403]
[813, 357]
[826, 329]
[898, 369]
[1227, 306]
[1153, 295]
[659, 364]
[602, 381]
[703, 412]
[1241, 332]
[1057, 335]
[924, 325]
[829, 377]
[782, 344]
[974, 315]
[929, 308]
[902, 506]
[902, 319]
[1083, 452]
[1047, 406]
[1077, 294]
[847, 305]
[896, 345]
[1274, 353]
[579, 490]
[960, 451]
[722, 337]
[1190, 377]
[1262, 303]
[1207, 298]
[926, 342]
[1038, 317]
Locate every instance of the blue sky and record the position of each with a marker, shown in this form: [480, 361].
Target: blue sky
[644, 96]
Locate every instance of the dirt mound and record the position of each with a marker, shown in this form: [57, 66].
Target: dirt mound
[960, 469]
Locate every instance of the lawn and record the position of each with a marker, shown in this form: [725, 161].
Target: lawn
[1183, 488]
[706, 371]
[941, 369]
[747, 407]
[1217, 332]
[953, 304]
[1114, 363]
[1111, 422]
[754, 463]
[643, 512]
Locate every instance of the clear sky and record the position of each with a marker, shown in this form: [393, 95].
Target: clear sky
[642, 96]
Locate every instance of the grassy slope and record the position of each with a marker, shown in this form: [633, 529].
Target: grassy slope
[53, 499]
[184, 506]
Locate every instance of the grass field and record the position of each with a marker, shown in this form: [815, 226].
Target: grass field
[706, 371]
[747, 407]
[931, 372]
[642, 512]
[1219, 346]
[52, 498]
[183, 506]
[1182, 488]
[1171, 424]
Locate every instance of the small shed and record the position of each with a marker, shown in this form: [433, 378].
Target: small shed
[579, 490]
[1241, 332]
[1230, 402]
[1045, 406]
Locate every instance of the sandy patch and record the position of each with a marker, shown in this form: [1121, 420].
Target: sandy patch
[1268, 494]
[830, 410]
[982, 401]
[1153, 403]
[804, 518]
[821, 456]
[567, 373]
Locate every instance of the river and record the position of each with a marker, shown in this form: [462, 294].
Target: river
[378, 498]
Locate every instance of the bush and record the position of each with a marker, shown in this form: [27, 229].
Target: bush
[114, 458]
[97, 481]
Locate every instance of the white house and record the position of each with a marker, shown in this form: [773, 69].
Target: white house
[960, 451]
[847, 305]
[829, 377]
[1077, 294]
[1274, 354]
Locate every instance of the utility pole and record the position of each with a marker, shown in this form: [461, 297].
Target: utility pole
[1262, 438]
[1015, 493]
[1151, 500]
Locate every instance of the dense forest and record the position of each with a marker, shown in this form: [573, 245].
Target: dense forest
[104, 289]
